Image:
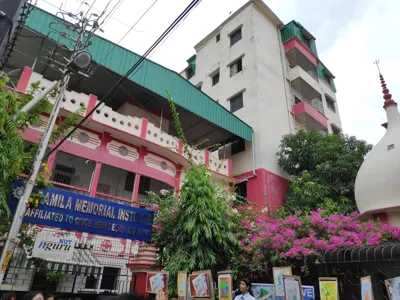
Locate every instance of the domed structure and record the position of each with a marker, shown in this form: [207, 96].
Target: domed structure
[377, 187]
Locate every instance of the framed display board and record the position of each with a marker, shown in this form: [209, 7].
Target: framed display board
[157, 281]
[201, 285]
[292, 287]
[278, 273]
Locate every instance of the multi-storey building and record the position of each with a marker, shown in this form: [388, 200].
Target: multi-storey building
[252, 69]
[269, 75]
[127, 148]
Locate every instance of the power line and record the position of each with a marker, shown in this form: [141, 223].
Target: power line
[126, 34]
[111, 13]
[129, 93]
[191, 6]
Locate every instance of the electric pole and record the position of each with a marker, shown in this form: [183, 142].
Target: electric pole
[84, 27]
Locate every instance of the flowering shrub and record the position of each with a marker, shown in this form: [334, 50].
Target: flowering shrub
[280, 241]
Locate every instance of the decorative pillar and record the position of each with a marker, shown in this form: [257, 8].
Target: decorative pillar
[229, 167]
[135, 194]
[95, 180]
[24, 80]
[91, 105]
[50, 162]
[143, 132]
[206, 157]
[178, 180]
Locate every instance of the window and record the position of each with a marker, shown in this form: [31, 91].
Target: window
[330, 103]
[236, 36]
[236, 102]
[189, 73]
[335, 130]
[109, 280]
[129, 181]
[236, 67]
[218, 37]
[144, 185]
[199, 85]
[327, 79]
[241, 189]
[215, 79]
[238, 146]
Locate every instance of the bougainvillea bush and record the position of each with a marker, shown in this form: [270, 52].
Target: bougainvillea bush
[274, 241]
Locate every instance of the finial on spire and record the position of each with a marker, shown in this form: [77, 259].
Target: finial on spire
[386, 95]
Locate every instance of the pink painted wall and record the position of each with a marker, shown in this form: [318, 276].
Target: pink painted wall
[266, 187]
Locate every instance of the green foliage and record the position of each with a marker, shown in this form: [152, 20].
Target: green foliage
[323, 168]
[194, 231]
[54, 276]
[13, 158]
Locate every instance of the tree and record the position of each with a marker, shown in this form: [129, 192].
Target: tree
[14, 160]
[323, 168]
[195, 233]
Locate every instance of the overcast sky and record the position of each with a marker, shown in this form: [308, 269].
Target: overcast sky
[350, 35]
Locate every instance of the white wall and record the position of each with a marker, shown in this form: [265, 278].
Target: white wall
[129, 109]
[265, 107]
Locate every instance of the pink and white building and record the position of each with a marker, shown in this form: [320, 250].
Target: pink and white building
[259, 80]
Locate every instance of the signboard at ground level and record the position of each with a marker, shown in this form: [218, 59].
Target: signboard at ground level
[68, 210]
[261, 290]
[52, 247]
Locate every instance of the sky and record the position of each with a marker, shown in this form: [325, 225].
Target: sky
[350, 35]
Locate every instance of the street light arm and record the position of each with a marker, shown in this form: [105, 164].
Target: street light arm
[39, 97]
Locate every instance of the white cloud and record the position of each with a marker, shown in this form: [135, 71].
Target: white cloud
[351, 60]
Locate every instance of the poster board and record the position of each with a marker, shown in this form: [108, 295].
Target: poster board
[157, 281]
[366, 288]
[328, 288]
[201, 285]
[225, 285]
[182, 285]
[292, 287]
[393, 288]
[278, 273]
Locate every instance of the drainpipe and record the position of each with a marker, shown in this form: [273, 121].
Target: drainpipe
[253, 146]
[283, 63]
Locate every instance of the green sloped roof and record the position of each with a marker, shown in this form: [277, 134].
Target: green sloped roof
[150, 75]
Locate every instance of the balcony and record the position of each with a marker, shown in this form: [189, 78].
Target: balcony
[299, 55]
[308, 118]
[304, 87]
[127, 125]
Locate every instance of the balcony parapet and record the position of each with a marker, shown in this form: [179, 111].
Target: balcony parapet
[133, 126]
[305, 112]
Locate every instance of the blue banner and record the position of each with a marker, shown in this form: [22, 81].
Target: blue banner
[71, 211]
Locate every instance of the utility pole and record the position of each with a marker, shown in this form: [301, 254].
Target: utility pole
[79, 59]
[10, 11]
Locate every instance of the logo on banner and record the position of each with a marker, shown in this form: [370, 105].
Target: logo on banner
[53, 247]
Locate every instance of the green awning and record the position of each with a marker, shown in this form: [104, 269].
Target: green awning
[150, 75]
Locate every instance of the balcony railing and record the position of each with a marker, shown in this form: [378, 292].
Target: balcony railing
[135, 126]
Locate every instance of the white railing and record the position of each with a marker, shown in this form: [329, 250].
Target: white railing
[132, 125]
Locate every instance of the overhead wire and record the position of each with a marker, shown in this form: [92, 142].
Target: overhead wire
[128, 92]
[94, 8]
[111, 13]
[187, 10]
[126, 34]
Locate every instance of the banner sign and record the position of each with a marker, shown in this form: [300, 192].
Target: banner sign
[71, 211]
[52, 247]
[261, 290]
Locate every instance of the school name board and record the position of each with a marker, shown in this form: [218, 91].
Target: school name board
[68, 210]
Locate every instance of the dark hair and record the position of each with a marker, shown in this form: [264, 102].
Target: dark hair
[8, 296]
[48, 295]
[31, 295]
[247, 282]
[131, 296]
